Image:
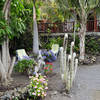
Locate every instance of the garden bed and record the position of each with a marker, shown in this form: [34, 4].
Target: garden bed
[19, 80]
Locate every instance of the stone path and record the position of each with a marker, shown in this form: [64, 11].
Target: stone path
[86, 85]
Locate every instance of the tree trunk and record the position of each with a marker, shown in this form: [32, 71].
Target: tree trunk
[35, 32]
[6, 65]
[82, 35]
[3, 75]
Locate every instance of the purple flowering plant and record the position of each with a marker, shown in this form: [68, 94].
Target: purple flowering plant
[38, 86]
[48, 56]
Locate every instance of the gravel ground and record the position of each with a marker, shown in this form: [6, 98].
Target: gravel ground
[86, 85]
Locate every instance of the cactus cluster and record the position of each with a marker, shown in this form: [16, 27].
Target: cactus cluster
[68, 64]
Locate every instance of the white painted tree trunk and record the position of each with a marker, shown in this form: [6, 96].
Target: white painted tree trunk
[35, 32]
[6, 64]
[82, 35]
[82, 43]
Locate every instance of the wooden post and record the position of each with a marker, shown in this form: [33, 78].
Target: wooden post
[95, 22]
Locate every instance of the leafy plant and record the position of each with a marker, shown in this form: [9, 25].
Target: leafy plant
[92, 45]
[25, 65]
[5, 30]
[52, 41]
[38, 86]
[18, 26]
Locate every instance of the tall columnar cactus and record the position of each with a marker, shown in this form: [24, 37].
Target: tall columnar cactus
[68, 64]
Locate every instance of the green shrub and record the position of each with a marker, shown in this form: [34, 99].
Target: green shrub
[25, 65]
[92, 45]
[48, 44]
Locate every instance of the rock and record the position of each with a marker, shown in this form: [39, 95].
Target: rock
[54, 92]
[88, 60]
[5, 97]
[69, 95]
[64, 94]
[13, 93]
[1, 93]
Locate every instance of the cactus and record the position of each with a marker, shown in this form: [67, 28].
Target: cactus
[68, 64]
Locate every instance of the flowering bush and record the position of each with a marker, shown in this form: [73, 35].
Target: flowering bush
[48, 56]
[38, 86]
[48, 67]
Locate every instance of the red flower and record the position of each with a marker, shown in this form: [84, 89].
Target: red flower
[48, 63]
[46, 67]
[51, 69]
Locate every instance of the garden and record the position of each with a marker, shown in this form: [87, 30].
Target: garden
[48, 51]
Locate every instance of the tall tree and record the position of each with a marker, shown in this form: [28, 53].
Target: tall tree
[81, 9]
[6, 63]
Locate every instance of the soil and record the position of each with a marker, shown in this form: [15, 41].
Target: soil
[19, 80]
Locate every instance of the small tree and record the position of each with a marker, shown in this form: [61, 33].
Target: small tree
[6, 64]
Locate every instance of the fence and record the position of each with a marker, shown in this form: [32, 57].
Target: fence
[47, 27]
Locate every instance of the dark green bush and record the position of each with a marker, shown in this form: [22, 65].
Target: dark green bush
[24, 65]
[92, 44]
[48, 42]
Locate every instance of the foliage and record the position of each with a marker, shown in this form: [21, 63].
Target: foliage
[1, 4]
[18, 14]
[48, 44]
[38, 86]
[25, 65]
[76, 47]
[5, 30]
[53, 12]
[48, 68]
[16, 25]
[92, 45]
[21, 25]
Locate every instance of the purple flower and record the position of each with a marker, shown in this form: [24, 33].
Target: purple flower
[53, 57]
[48, 56]
[44, 57]
[26, 57]
[15, 63]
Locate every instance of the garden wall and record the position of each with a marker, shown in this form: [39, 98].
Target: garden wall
[92, 43]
